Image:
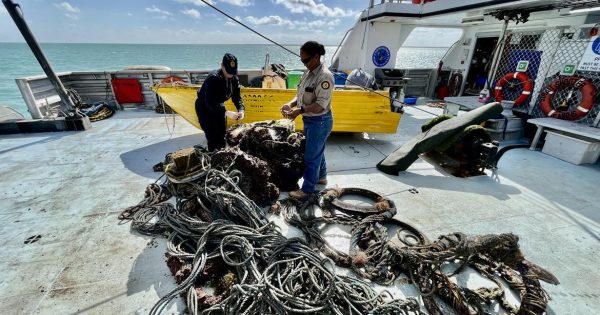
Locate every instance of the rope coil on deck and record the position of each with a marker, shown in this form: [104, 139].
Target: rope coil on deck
[218, 237]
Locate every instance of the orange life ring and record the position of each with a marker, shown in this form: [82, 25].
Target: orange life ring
[588, 95]
[523, 78]
[172, 79]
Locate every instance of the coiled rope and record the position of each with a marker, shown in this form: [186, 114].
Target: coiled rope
[217, 236]
[271, 274]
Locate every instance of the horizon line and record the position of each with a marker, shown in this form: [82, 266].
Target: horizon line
[118, 43]
[265, 44]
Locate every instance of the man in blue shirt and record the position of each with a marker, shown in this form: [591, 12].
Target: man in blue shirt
[219, 86]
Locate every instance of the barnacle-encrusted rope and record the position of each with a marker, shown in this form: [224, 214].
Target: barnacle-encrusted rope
[381, 258]
[213, 225]
[218, 237]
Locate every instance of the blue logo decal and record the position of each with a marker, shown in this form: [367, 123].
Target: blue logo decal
[596, 46]
[381, 56]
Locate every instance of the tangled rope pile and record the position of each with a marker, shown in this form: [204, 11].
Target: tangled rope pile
[256, 174]
[276, 142]
[219, 238]
[96, 111]
[376, 256]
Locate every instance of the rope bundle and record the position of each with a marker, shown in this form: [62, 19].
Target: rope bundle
[220, 238]
[381, 258]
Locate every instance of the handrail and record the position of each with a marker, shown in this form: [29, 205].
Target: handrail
[340, 45]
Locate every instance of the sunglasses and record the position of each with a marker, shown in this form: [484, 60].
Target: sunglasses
[305, 60]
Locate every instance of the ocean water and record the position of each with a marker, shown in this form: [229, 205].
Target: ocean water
[16, 60]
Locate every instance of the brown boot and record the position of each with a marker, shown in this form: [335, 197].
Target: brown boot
[322, 181]
[298, 194]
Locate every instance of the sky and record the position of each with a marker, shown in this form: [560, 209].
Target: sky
[187, 21]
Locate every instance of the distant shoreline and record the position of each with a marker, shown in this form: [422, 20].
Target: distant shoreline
[54, 43]
[80, 43]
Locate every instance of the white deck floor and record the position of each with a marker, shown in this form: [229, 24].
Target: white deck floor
[69, 188]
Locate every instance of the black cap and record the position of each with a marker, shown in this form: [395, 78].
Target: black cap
[230, 63]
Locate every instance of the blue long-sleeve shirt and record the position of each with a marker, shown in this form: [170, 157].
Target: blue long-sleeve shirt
[216, 89]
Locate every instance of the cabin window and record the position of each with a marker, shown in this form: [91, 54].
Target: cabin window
[523, 42]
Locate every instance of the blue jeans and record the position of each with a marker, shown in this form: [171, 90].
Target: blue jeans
[316, 131]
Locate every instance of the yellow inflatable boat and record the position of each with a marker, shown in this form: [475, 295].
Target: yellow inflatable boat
[353, 110]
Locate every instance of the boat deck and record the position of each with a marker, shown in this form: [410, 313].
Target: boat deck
[64, 191]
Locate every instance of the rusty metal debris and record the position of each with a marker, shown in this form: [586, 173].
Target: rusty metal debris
[219, 238]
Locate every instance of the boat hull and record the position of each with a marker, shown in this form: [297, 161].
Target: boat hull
[353, 111]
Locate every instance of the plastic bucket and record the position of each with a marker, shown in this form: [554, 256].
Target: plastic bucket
[508, 108]
[410, 100]
[340, 78]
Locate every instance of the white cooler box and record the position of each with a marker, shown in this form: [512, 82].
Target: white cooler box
[572, 150]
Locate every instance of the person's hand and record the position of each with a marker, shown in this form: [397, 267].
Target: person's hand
[285, 108]
[231, 115]
[292, 114]
[240, 115]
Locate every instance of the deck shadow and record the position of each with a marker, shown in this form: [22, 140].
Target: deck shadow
[141, 160]
[490, 187]
[483, 185]
[150, 272]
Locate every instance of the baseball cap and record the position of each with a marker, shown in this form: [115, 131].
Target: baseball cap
[230, 63]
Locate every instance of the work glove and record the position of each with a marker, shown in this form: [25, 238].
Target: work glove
[240, 115]
[231, 115]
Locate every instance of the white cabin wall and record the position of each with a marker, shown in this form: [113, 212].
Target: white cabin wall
[459, 55]
[403, 33]
[391, 35]
[347, 57]
[353, 54]
[458, 58]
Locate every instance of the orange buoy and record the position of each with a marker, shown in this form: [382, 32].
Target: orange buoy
[172, 79]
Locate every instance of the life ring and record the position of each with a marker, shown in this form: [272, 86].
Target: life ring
[588, 95]
[172, 79]
[525, 81]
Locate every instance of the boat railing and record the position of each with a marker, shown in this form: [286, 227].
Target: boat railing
[373, 2]
[94, 86]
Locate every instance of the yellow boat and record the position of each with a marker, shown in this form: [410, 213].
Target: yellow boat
[353, 110]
